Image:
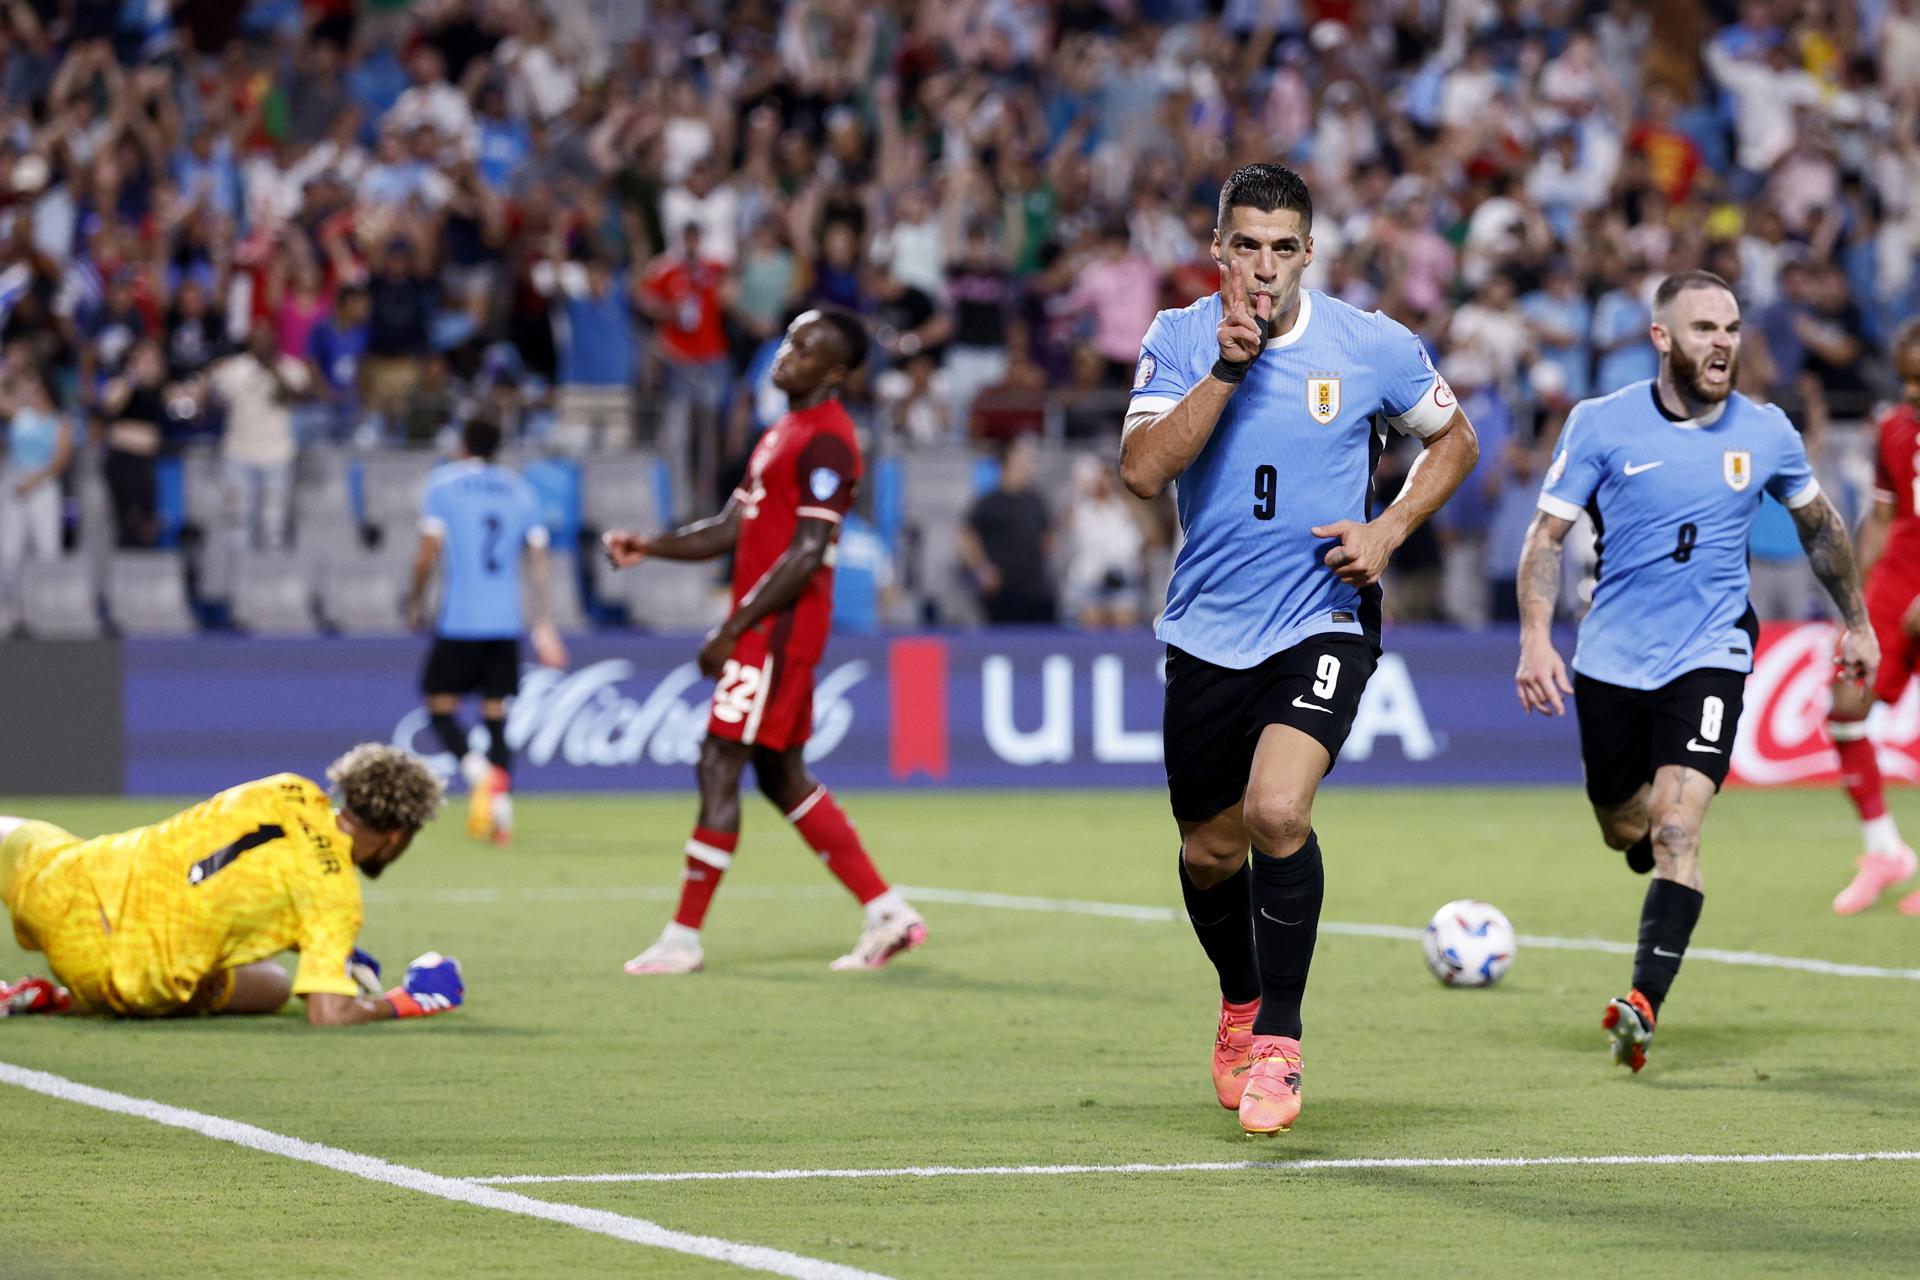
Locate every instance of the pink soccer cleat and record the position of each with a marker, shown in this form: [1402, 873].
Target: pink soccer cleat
[1233, 1051]
[1878, 873]
[883, 939]
[1271, 1101]
[1910, 905]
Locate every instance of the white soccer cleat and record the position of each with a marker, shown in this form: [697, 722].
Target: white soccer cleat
[883, 939]
[674, 953]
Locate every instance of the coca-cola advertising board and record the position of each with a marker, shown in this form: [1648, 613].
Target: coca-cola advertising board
[1008, 708]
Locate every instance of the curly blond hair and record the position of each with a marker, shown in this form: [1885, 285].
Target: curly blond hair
[387, 788]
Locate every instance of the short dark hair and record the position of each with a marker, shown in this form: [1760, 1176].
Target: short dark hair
[481, 436]
[1907, 335]
[1266, 187]
[853, 335]
[1681, 281]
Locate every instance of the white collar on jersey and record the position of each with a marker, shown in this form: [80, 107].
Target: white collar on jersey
[1299, 329]
[1706, 419]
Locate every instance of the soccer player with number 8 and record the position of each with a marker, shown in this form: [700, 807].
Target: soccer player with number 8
[780, 525]
[1670, 471]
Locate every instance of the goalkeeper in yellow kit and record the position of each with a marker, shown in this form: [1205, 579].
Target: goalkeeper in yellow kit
[181, 917]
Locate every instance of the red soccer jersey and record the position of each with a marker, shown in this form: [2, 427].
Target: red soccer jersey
[1896, 477]
[806, 466]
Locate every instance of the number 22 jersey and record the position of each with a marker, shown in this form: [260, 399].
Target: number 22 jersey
[806, 467]
[1673, 503]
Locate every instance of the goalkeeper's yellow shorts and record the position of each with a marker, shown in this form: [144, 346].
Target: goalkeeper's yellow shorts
[55, 911]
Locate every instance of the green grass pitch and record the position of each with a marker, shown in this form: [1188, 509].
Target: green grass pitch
[1014, 1037]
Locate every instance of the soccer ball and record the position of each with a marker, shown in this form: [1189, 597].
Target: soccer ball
[1468, 944]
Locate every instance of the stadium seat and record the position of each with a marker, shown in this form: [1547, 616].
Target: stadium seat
[147, 594]
[320, 488]
[392, 484]
[324, 537]
[273, 595]
[205, 483]
[361, 596]
[57, 600]
[618, 491]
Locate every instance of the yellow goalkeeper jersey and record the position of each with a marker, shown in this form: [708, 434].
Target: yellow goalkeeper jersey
[258, 869]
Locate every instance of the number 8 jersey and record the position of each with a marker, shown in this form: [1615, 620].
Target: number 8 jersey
[1673, 502]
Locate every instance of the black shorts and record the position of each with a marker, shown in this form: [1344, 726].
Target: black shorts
[1627, 734]
[1215, 715]
[490, 668]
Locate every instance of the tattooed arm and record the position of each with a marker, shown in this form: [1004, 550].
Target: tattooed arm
[1542, 677]
[1830, 551]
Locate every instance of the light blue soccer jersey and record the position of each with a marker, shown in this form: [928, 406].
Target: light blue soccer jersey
[483, 515]
[1673, 504]
[1294, 448]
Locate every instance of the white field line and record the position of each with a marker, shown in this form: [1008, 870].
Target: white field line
[1116, 911]
[599, 1221]
[1207, 1166]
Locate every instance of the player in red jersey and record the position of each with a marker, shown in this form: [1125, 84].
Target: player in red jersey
[1889, 556]
[780, 524]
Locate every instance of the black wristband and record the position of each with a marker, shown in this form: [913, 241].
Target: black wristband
[1231, 371]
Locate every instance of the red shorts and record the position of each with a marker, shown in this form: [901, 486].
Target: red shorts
[1888, 598]
[762, 699]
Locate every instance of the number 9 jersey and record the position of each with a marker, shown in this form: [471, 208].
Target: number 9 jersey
[1673, 503]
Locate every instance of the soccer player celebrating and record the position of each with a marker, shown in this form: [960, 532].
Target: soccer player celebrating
[1261, 401]
[181, 917]
[1671, 471]
[1888, 548]
[780, 525]
[477, 516]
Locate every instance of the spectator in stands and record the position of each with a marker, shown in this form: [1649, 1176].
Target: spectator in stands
[1119, 290]
[1559, 320]
[39, 445]
[982, 291]
[257, 388]
[1006, 543]
[1620, 339]
[134, 408]
[336, 348]
[681, 292]
[401, 298]
[1016, 405]
[595, 303]
[1104, 548]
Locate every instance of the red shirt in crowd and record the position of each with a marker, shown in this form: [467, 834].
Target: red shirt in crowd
[691, 332]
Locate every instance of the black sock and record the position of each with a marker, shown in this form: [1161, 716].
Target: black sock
[497, 754]
[1286, 920]
[451, 735]
[1666, 923]
[1640, 855]
[1222, 917]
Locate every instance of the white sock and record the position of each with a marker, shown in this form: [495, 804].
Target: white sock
[680, 936]
[1882, 836]
[474, 768]
[887, 904]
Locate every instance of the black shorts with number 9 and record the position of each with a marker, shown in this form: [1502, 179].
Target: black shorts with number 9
[1215, 715]
[1626, 735]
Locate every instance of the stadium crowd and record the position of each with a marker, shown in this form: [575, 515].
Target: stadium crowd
[350, 225]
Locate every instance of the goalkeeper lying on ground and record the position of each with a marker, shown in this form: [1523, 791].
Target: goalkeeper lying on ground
[181, 917]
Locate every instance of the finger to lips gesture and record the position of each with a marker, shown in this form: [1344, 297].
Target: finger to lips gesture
[1240, 333]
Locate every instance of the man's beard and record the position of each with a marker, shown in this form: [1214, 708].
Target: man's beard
[1687, 377]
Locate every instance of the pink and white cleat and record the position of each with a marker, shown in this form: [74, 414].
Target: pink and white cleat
[1910, 905]
[883, 939]
[678, 951]
[1878, 873]
[1233, 1051]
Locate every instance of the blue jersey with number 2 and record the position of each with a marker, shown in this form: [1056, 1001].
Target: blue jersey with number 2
[1673, 503]
[1294, 448]
[483, 515]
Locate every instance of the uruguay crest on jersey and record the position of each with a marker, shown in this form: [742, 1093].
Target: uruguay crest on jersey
[1737, 466]
[1323, 397]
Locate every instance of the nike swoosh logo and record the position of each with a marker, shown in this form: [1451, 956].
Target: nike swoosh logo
[1312, 706]
[1694, 744]
[1671, 955]
[1278, 920]
[1645, 466]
